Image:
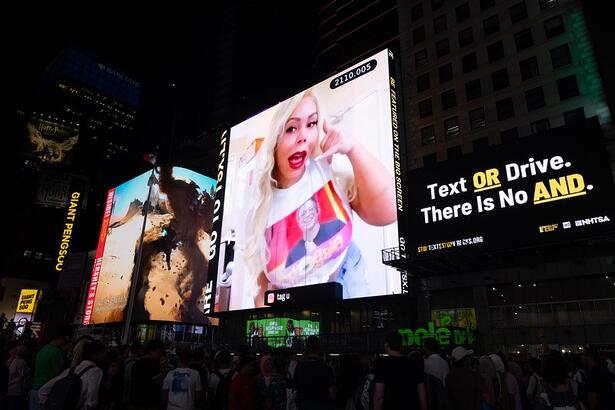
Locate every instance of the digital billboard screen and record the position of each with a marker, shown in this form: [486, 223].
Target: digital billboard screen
[543, 189]
[51, 142]
[173, 269]
[310, 191]
[280, 331]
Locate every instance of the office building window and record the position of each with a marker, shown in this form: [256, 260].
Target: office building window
[469, 62]
[491, 25]
[480, 144]
[535, 98]
[477, 118]
[445, 73]
[540, 125]
[505, 109]
[560, 56]
[466, 37]
[495, 51]
[418, 35]
[442, 47]
[416, 12]
[574, 116]
[518, 12]
[436, 4]
[453, 152]
[449, 99]
[425, 108]
[428, 135]
[500, 79]
[462, 12]
[486, 4]
[547, 4]
[422, 82]
[529, 68]
[554, 26]
[451, 127]
[509, 135]
[439, 24]
[567, 87]
[429, 159]
[473, 90]
[420, 57]
[523, 39]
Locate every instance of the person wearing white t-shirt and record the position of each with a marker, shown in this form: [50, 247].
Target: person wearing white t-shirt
[181, 388]
[292, 167]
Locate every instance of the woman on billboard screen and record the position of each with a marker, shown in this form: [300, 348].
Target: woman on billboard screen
[299, 222]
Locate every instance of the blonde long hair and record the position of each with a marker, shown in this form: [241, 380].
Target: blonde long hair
[256, 252]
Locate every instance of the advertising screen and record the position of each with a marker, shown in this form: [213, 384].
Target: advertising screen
[173, 268]
[457, 317]
[310, 191]
[543, 189]
[51, 142]
[280, 331]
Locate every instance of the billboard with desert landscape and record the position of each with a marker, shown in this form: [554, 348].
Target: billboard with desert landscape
[172, 272]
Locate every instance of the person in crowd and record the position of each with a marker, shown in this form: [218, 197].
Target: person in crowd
[465, 388]
[241, 394]
[136, 352]
[18, 378]
[505, 398]
[398, 382]
[48, 364]
[558, 390]
[435, 365]
[89, 373]
[182, 388]
[219, 384]
[600, 394]
[488, 373]
[111, 387]
[270, 386]
[146, 384]
[535, 385]
[314, 380]
[437, 399]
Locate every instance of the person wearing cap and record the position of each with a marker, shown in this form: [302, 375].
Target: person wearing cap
[466, 388]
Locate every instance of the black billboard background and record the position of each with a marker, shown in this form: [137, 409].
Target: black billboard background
[521, 225]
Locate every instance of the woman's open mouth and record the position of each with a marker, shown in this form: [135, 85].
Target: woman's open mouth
[297, 160]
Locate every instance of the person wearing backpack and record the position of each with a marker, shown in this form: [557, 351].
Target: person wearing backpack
[76, 387]
[535, 385]
[219, 385]
[558, 394]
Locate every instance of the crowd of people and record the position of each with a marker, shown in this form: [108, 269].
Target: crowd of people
[86, 374]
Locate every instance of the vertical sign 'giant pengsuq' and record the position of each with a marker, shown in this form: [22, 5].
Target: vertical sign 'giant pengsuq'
[311, 190]
[542, 189]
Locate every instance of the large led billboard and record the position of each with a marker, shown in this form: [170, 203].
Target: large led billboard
[280, 331]
[310, 190]
[51, 142]
[172, 272]
[545, 188]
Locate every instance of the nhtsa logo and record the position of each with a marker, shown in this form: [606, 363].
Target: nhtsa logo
[592, 221]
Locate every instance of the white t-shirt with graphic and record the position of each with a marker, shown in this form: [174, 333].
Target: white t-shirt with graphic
[182, 384]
